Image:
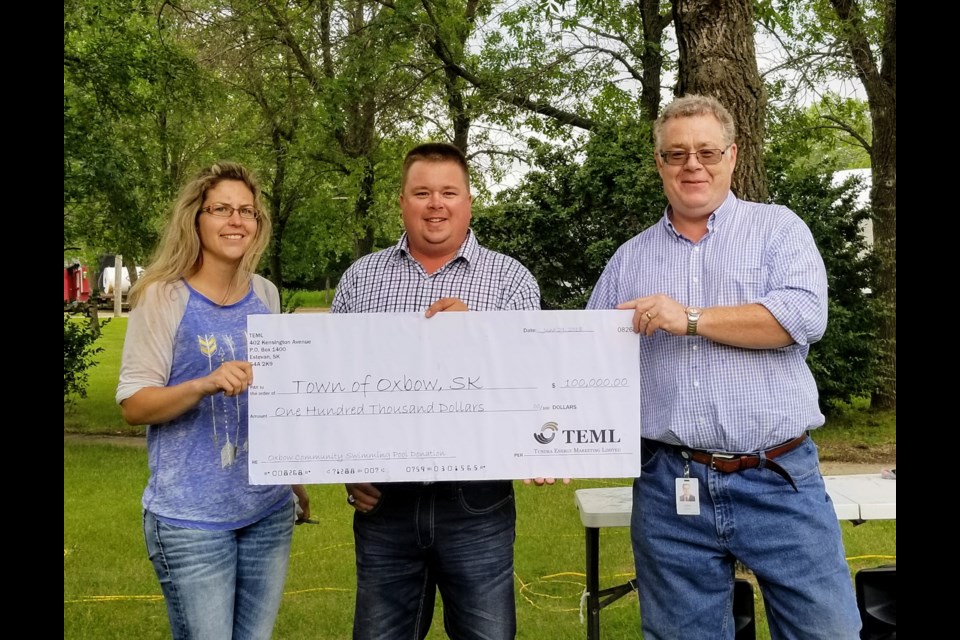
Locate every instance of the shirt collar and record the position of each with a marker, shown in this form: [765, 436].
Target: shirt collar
[721, 213]
[468, 250]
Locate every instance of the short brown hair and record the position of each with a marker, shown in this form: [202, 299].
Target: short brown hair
[434, 152]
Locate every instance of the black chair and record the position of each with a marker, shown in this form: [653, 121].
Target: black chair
[744, 615]
[877, 600]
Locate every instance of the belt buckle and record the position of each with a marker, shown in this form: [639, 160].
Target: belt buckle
[721, 456]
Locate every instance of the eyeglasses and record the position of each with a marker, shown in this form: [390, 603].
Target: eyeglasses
[704, 156]
[222, 210]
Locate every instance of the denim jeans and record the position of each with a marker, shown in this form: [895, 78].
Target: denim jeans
[221, 585]
[790, 539]
[452, 536]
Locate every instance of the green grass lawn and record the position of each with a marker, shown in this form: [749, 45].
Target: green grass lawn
[296, 298]
[110, 591]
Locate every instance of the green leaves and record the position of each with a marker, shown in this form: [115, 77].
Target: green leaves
[846, 361]
[568, 216]
[79, 354]
[129, 95]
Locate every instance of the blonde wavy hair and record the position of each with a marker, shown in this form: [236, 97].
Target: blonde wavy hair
[179, 254]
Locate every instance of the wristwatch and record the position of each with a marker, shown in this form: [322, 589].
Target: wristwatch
[693, 315]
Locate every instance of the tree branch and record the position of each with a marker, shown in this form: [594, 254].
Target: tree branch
[442, 52]
[843, 126]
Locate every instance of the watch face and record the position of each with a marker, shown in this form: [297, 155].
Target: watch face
[693, 312]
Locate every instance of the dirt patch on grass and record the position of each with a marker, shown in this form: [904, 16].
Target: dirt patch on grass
[120, 441]
[842, 452]
[854, 468]
[840, 459]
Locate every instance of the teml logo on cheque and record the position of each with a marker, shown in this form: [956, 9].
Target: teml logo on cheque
[547, 433]
[550, 430]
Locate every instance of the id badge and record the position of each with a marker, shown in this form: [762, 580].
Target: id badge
[688, 496]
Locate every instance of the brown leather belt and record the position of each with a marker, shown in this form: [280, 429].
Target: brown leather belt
[733, 462]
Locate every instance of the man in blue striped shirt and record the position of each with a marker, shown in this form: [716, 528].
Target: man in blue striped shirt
[414, 538]
[728, 296]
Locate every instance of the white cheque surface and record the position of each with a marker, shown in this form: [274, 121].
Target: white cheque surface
[388, 397]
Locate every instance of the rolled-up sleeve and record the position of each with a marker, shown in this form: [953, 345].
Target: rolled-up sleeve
[797, 283]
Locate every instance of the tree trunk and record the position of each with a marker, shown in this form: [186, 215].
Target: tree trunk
[883, 196]
[453, 83]
[93, 314]
[717, 58]
[132, 275]
[278, 210]
[880, 83]
[458, 112]
[363, 242]
[654, 24]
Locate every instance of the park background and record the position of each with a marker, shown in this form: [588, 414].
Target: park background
[552, 101]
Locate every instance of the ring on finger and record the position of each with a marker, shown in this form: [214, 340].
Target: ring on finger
[649, 317]
[351, 499]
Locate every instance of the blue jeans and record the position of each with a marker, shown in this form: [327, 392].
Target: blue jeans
[221, 585]
[790, 540]
[452, 536]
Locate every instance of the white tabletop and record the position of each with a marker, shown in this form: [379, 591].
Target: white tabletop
[863, 497]
[607, 507]
[855, 497]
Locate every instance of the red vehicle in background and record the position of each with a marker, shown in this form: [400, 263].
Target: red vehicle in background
[76, 284]
[79, 283]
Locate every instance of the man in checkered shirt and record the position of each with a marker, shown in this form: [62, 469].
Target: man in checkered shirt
[414, 538]
[728, 296]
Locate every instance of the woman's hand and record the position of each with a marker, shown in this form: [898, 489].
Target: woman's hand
[232, 378]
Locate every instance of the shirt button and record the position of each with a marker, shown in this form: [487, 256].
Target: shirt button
[696, 384]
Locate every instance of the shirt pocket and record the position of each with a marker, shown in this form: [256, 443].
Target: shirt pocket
[739, 286]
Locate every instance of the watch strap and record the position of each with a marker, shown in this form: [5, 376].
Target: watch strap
[693, 316]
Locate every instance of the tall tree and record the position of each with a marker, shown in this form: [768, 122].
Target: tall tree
[352, 57]
[447, 39]
[879, 78]
[271, 107]
[718, 58]
[846, 361]
[132, 121]
[549, 63]
[831, 40]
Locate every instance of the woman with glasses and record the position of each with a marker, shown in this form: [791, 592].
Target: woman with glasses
[219, 545]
